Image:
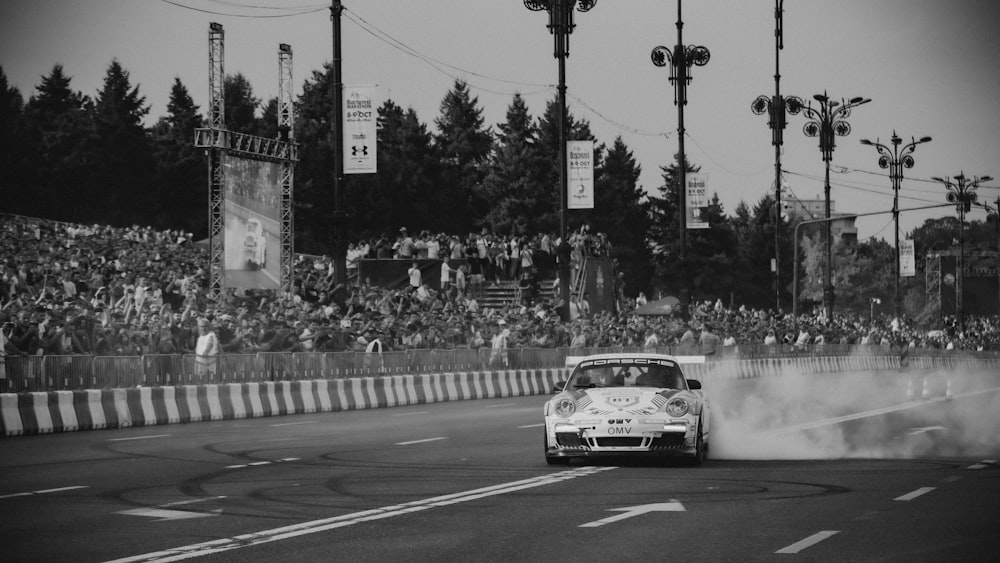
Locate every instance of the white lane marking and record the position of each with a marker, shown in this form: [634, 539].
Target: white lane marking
[876, 412]
[914, 494]
[163, 515]
[986, 463]
[259, 463]
[425, 440]
[295, 423]
[315, 526]
[410, 413]
[192, 501]
[630, 511]
[44, 491]
[532, 425]
[138, 438]
[925, 429]
[808, 542]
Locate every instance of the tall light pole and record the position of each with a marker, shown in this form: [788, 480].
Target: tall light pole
[561, 26]
[337, 138]
[827, 123]
[681, 59]
[775, 107]
[961, 192]
[895, 159]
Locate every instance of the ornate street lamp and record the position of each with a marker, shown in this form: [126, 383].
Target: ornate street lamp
[774, 107]
[681, 59]
[561, 26]
[961, 192]
[895, 159]
[827, 123]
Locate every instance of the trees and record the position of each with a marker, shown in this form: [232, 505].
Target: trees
[180, 166]
[463, 143]
[58, 132]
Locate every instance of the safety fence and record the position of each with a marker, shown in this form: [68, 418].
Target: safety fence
[20, 374]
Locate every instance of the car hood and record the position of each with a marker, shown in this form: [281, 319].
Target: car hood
[625, 400]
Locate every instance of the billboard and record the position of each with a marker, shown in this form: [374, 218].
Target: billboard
[251, 213]
[580, 174]
[907, 259]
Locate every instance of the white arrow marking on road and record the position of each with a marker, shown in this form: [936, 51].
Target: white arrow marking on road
[630, 511]
[165, 515]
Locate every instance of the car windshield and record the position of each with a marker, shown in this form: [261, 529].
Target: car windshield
[655, 373]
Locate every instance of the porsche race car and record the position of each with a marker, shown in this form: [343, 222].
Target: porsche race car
[627, 404]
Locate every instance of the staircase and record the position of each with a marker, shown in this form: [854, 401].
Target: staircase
[507, 293]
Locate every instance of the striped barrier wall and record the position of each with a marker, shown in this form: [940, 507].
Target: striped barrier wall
[64, 411]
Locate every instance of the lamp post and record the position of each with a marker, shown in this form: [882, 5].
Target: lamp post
[775, 106]
[561, 26]
[827, 123]
[961, 192]
[337, 140]
[895, 159]
[681, 59]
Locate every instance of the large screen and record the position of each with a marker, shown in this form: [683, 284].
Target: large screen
[252, 223]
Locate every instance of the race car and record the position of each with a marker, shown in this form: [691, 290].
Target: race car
[627, 404]
[254, 245]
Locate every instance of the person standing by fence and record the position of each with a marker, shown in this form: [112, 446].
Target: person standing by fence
[206, 349]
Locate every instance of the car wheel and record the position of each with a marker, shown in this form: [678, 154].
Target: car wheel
[551, 459]
[700, 448]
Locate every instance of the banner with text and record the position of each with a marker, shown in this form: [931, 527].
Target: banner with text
[907, 259]
[696, 202]
[580, 174]
[360, 130]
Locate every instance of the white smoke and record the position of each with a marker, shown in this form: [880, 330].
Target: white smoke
[887, 414]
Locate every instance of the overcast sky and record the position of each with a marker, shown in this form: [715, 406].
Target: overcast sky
[930, 66]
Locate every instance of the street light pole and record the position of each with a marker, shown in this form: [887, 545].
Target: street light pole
[775, 109]
[561, 26]
[681, 59]
[337, 134]
[961, 192]
[895, 159]
[827, 123]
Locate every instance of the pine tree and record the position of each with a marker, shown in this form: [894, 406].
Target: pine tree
[181, 167]
[241, 105]
[59, 132]
[464, 143]
[122, 190]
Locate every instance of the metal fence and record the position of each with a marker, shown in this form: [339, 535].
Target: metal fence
[58, 373]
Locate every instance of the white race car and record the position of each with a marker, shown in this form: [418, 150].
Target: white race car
[627, 404]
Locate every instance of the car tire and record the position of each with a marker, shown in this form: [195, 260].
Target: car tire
[700, 448]
[552, 459]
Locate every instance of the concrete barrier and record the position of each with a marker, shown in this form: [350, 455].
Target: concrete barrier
[64, 411]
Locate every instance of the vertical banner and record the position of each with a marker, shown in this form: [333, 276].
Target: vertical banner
[359, 130]
[696, 201]
[907, 259]
[580, 174]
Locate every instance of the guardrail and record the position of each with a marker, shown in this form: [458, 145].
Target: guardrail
[19, 374]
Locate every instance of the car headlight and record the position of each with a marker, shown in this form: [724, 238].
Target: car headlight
[565, 407]
[677, 407]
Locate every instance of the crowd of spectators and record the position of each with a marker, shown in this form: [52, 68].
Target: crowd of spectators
[74, 289]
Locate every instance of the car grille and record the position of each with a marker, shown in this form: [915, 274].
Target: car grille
[619, 442]
[668, 441]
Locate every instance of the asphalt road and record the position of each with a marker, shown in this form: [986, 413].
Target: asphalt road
[865, 467]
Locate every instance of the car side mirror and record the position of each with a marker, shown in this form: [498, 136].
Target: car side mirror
[559, 386]
[694, 384]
